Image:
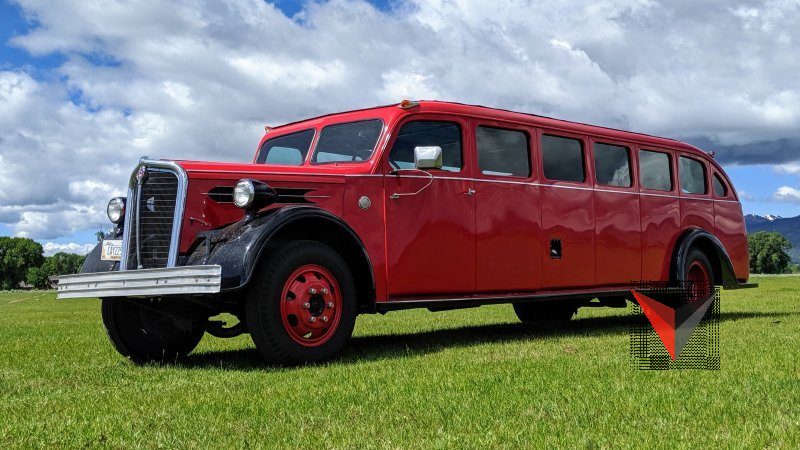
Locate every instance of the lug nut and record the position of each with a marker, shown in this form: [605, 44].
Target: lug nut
[312, 319]
[325, 318]
[312, 291]
[306, 305]
[325, 291]
[330, 305]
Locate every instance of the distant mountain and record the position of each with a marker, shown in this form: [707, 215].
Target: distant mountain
[789, 227]
[756, 219]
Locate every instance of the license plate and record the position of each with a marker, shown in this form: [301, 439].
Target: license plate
[111, 250]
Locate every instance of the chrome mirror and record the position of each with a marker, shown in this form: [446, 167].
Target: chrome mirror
[429, 157]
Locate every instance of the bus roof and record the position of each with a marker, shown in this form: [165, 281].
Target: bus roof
[444, 107]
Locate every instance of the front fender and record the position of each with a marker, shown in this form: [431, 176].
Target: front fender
[238, 247]
[93, 263]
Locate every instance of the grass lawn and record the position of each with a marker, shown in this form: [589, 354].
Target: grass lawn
[470, 378]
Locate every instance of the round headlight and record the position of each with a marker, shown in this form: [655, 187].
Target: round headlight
[116, 210]
[244, 193]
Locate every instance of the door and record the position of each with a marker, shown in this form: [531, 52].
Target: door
[430, 215]
[659, 211]
[568, 234]
[618, 229]
[508, 218]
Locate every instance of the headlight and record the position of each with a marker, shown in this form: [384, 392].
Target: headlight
[244, 193]
[116, 210]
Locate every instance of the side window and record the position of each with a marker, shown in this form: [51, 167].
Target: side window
[655, 171]
[289, 150]
[446, 135]
[503, 152]
[719, 186]
[693, 176]
[562, 158]
[612, 165]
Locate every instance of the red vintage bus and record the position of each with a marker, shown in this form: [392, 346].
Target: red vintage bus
[422, 204]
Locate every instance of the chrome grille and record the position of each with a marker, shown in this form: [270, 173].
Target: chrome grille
[152, 209]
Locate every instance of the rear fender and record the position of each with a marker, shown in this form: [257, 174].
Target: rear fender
[714, 249]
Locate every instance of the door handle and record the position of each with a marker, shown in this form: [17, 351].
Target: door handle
[470, 192]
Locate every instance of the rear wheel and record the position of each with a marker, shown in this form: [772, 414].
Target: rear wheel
[147, 332]
[699, 276]
[302, 306]
[554, 312]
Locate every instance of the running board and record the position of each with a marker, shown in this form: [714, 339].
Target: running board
[466, 302]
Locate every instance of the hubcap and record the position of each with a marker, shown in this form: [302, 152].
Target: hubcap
[311, 305]
[699, 281]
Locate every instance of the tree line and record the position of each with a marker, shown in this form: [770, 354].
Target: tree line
[769, 253]
[22, 260]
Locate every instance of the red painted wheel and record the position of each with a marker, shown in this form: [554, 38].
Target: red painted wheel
[311, 305]
[699, 276]
[301, 307]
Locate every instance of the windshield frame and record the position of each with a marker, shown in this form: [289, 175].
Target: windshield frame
[313, 151]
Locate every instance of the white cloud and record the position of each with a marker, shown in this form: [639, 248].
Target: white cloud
[199, 79]
[744, 195]
[787, 194]
[793, 169]
[51, 248]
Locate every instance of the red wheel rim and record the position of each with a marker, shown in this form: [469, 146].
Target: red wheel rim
[311, 305]
[699, 281]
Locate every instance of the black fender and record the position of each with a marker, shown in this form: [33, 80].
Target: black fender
[715, 251]
[239, 247]
[93, 263]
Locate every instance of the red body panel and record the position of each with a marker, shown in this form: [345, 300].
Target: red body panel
[442, 242]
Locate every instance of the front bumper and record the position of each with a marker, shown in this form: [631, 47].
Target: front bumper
[186, 280]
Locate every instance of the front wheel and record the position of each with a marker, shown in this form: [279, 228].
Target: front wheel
[148, 332]
[302, 305]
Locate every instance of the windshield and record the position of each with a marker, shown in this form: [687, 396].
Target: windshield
[347, 142]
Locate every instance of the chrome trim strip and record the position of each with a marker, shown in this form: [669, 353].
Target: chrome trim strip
[180, 204]
[187, 280]
[126, 230]
[558, 186]
[138, 221]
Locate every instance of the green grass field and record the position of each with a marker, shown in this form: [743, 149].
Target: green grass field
[415, 379]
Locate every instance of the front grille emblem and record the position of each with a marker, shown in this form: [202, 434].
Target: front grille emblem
[151, 204]
[141, 174]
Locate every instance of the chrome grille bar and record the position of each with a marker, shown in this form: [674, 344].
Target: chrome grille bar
[131, 219]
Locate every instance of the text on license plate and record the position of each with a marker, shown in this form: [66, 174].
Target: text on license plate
[111, 250]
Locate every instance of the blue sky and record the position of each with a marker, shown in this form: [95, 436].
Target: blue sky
[85, 90]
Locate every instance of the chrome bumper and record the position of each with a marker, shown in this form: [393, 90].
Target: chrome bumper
[186, 280]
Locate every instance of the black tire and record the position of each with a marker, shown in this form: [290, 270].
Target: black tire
[146, 332]
[697, 255]
[264, 320]
[697, 262]
[554, 312]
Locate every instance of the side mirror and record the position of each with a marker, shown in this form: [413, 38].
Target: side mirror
[428, 157]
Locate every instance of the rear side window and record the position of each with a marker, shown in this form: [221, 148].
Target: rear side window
[424, 133]
[654, 171]
[693, 176]
[347, 142]
[612, 165]
[290, 150]
[562, 158]
[719, 187]
[503, 152]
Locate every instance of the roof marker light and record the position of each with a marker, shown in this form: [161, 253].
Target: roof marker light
[408, 104]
